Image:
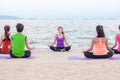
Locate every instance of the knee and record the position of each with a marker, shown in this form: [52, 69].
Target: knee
[68, 48]
[111, 54]
[27, 53]
[86, 54]
[51, 47]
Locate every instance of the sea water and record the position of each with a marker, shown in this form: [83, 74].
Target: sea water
[78, 32]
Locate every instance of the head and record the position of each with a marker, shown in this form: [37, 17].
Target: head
[100, 31]
[7, 29]
[19, 27]
[60, 30]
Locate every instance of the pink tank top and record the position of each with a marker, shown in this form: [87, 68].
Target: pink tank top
[118, 39]
[100, 48]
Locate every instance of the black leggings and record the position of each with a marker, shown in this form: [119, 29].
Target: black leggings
[27, 54]
[116, 51]
[90, 55]
[60, 48]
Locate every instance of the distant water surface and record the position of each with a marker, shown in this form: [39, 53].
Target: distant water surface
[78, 32]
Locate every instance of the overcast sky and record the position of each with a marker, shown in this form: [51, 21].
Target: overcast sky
[61, 8]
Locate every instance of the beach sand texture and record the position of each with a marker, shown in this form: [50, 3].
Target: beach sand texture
[49, 65]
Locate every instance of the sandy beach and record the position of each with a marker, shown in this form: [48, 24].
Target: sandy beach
[48, 65]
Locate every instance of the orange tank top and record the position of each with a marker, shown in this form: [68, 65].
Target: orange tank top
[6, 47]
[100, 48]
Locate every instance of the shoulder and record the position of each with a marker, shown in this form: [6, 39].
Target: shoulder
[14, 34]
[56, 35]
[105, 38]
[117, 34]
[23, 34]
[94, 38]
[2, 37]
[64, 35]
[19, 35]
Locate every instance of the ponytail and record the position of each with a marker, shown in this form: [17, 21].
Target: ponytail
[63, 33]
[100, 31]
[7, 29]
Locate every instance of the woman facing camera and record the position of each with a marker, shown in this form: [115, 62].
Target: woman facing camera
[100, 45]
[117, 42]
[60, 39]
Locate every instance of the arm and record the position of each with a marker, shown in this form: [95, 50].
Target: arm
[10, 47]
[66, 41]
[108, 48]
[1, 40]
[91, 47]
[27, 46]
[53, 42]
[115, 41]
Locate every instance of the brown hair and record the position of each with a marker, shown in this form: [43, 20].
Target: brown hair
[62, 28]
[100, 31]
[6, 29]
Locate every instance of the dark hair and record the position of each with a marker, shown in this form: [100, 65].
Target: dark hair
[100, 31]
[119, 26]
[19, 27]
[7, 29]
[62, 28]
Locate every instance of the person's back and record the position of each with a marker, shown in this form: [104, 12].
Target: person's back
[100, 46]
[19, 41]
[5, 40]
[6, 47]
[18, 44]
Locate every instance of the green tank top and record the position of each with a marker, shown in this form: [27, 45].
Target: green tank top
[18, 44]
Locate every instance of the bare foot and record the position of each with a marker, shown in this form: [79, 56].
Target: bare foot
[62, 50]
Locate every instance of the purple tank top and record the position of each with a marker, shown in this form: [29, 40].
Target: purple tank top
[118, 42]
[60, 41]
